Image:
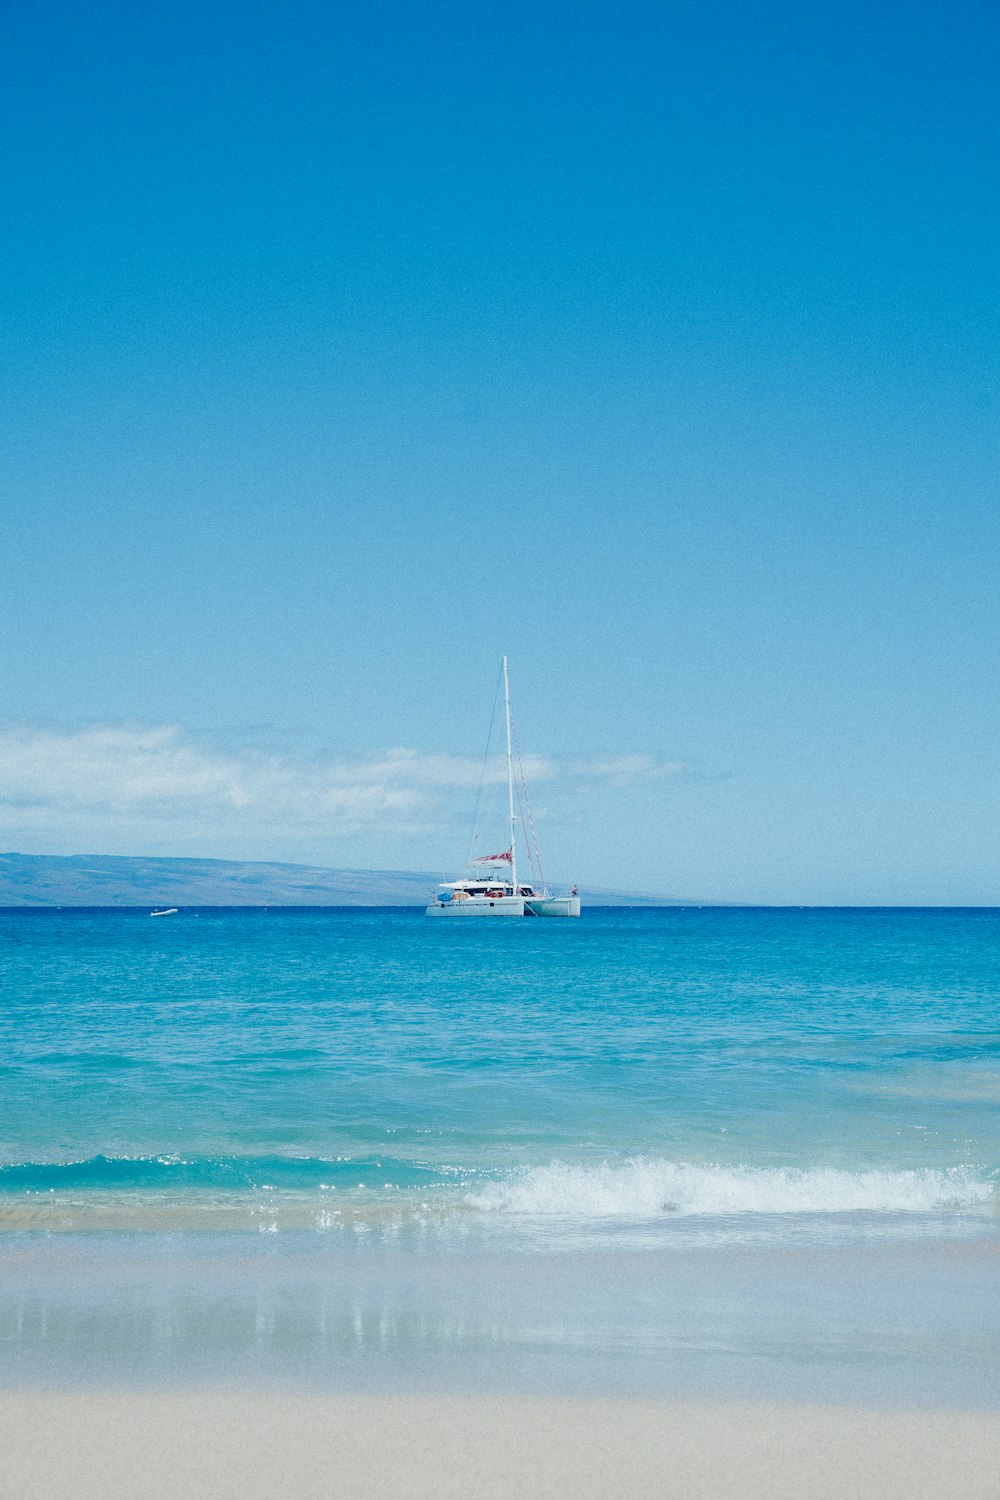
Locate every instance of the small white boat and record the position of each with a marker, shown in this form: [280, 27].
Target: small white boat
[491, 887]
[170, 911]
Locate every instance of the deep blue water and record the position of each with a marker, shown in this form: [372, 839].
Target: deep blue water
[338, 1087]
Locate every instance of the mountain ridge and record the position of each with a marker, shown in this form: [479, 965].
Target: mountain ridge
[111, 880]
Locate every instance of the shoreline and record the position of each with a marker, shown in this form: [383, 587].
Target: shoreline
[877, 1324]
[232, 1445]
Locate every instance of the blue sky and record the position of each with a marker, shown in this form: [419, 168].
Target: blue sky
[348, 347]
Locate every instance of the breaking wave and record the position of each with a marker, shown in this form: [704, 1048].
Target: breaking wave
[648, 1187]
[221, 1173]
[385, 1193]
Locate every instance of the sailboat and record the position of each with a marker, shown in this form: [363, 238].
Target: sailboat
[491, 887]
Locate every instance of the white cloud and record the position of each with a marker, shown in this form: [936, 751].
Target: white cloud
[625, 769]
[106, 782]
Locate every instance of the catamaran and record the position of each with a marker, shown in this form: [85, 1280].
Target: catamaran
[491, 887]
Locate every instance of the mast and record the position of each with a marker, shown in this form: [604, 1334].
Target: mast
[510, 780]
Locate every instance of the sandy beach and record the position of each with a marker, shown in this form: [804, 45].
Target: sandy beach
[225, 1446]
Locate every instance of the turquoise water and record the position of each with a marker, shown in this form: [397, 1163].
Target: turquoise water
[673, 1148]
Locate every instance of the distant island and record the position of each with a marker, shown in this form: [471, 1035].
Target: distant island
[117, 880]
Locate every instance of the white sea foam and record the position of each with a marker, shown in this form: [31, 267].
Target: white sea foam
[647, 1187]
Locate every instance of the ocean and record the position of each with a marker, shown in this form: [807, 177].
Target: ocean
[685, 1150]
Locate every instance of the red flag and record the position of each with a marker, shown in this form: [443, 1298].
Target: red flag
[489, 859]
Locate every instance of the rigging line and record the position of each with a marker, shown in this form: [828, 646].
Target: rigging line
[520, 813]
[527, 803]
[482, 774]
[535, 858]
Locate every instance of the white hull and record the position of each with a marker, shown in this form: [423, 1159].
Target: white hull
[500, 906]
[552, 906]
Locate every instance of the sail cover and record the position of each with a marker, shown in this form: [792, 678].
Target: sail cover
[490, 859]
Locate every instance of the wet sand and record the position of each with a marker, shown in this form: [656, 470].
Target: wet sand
[235, 1446]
